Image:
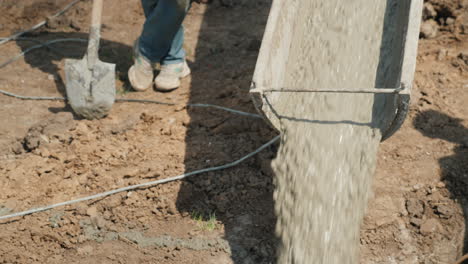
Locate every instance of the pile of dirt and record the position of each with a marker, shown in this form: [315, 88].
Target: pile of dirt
[444, 16]
[27, 13]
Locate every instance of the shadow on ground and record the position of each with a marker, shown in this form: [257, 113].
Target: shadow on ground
[241, 197]
[47, 59]
[435, 124]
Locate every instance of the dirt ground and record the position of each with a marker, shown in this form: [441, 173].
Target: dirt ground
[47, 155]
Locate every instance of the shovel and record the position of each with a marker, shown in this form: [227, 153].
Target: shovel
[90, 83]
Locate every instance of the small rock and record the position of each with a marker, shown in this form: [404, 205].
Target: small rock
[417, 187]
[440, 185]
[171, 121]
[442, 54]
[430, 226]
[52, 77]
[132, 198]
[415, 207]
[61, 156]
[441, 21]
[47, 168]
[92, 211]
[171, 209]
[99, 222]
[400, 204]
[129, 172]
[57, 22]
[52, 23]
[428, 11]
[463, 3]
[81, 210]
[85, 250]
[34, 139]
[114, 201]
[75, 25]
[180, 108]
[430, 190]
[429, 29]
[444, 211]
[17, 148]
[383, 211]
[464, 56]
[450, 21]
[81, 239]
[44, 152]
[82, 129]
[416, 222]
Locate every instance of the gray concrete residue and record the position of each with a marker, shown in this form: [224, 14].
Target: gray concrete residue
[168, 241]
[91, 94]
[92, 232]
[4, 210]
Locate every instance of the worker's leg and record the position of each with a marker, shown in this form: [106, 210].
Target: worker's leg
[176, 53]
[162, 34]
[173, 65]
[161, 41]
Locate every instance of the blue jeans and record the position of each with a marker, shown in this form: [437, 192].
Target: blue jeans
[162, 38]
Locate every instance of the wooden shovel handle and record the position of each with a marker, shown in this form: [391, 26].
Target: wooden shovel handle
[97, 13]
[94, 34]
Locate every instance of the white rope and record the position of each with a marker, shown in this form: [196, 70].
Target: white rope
[356, 91]
[39, 98]
[129, 100]
[142, 185]
[226, 109]
[40, 24]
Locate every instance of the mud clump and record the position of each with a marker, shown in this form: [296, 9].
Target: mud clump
[415, 208]
[54, 129]
[429, 29]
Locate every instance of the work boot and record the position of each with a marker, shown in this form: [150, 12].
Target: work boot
[169, 77]
[140, 74]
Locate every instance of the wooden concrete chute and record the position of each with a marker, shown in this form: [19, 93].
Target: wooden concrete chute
[316, 46]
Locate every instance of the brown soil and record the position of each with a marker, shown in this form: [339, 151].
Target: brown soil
[47, 155]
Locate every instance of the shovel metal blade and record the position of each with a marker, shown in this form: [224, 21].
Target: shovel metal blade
[91, 93]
